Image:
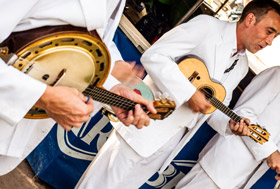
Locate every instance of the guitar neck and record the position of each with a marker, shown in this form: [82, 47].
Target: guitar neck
[106, 97]
[223, 108]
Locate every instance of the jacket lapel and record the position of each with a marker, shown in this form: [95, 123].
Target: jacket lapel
[223, 50]
[94, 13]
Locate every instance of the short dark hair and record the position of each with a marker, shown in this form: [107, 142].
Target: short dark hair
[259, 8]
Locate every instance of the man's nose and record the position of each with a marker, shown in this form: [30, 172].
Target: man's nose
[269, 40]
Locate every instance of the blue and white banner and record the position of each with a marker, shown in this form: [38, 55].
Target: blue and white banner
[62, 157]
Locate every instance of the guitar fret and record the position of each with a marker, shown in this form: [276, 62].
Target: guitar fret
[109, 98]
[219, 105]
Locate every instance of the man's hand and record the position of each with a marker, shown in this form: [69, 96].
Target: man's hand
[67, 106]
[124, 71]
[198, 102]
[273, 161]
[137, 117]
[240, 128]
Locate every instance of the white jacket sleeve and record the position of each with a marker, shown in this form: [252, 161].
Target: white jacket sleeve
[115, 56]
[19, 93]
[219, 121]
[159, 59]
[107, 34]
[253, 103]
[11, 14]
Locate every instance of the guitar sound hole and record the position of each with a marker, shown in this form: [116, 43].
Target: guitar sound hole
[87, 43]
[102, 66]
[67, 40]
[98, 52]
[96, 81]
[208, 92]
[26, 55]
[45, 44]
[45, 77]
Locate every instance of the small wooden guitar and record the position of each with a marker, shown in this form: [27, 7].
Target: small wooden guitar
[79, 61]
[164, 107]
[197, 73]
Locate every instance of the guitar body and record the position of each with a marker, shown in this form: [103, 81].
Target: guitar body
[196, 71]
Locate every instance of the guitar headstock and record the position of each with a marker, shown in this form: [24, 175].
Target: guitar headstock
[259, 134]
[164, 108]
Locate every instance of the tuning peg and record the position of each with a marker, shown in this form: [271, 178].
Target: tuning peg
[158, 95]
[165, 95]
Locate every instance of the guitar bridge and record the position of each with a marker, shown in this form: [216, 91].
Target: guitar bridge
[193, 76]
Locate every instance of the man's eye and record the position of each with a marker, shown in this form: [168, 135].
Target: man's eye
[269, 32]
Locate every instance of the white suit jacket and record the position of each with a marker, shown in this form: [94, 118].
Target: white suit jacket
[229, 160]
[211, 40]
[18, 137]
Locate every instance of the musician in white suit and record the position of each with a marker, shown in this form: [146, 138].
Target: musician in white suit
[130, 157]
[229, 162]
[67, 106]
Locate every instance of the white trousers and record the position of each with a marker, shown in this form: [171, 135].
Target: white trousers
[196, 179]
[118, 166]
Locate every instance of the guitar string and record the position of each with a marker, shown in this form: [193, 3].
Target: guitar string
[115, 99]
[218, 104]
[109, 98]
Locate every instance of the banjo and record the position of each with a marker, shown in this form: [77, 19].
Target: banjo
[74, 59]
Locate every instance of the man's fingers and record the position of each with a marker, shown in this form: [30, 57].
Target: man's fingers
[77, 124]
[90, 106]
[137, 116]
[68, 122]
[241, 127]
[82, 97]
[65, 126]
[132, 64]
[277, 169]
[126, 119]
[246, 121]
[84, 118]
[248, 133]
[147, 103]
[141, 117]
[151, 108]
[245, 128]
[236, 127]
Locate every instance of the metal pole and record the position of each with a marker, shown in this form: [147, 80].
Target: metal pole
[190, 12]
[221, 7]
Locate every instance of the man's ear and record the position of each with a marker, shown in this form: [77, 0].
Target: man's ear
[250, 20]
